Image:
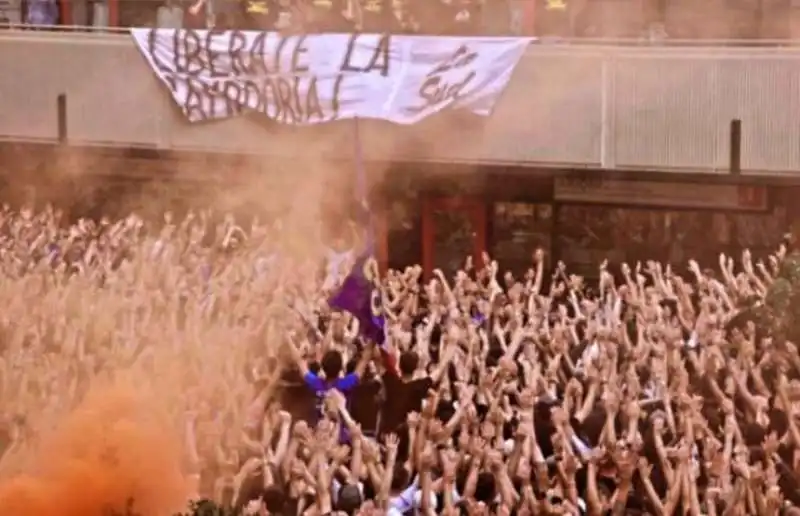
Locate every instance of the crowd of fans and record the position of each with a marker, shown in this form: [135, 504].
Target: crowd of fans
[650, 20]
[649, 392]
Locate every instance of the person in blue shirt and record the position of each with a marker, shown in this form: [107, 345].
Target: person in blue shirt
[332, 367]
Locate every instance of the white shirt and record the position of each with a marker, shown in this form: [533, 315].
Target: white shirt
[411, 498]
[336, 267]
[404, 502]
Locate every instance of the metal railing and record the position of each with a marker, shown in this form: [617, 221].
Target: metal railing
[73, 29]
[579, 41]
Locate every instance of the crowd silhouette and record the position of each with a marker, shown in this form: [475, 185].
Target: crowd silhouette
[670, 388]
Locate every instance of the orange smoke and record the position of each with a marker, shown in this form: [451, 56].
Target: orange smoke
[113, 448]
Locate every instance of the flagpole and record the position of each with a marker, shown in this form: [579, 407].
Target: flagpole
[357, 293]
[363, 194]
[361, 180]
[361, 185]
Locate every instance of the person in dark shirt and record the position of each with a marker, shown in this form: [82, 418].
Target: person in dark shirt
[260, 14]
[554, 18]
[428, 15]
[406, 393]
[331, 15]
[198, 15]
[376, 16]
[364, 404]
[465, 17]
[406, 21]
[446, 17]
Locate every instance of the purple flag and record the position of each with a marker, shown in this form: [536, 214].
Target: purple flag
[359, 296]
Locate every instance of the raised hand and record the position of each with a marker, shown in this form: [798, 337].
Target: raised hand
[391, 441]
[340, 453]
[494, 460]
[428, 459]
[570, 465]
[597, 455]
[449, 465]
[747, 261]
[370, 450]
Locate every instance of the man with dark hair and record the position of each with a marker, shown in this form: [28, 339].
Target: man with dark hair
[332, 367]
[349, 499]
[331, 16]
[376, 16]
[274, 499]
[409, 361]
[260, 14]
[405, 394]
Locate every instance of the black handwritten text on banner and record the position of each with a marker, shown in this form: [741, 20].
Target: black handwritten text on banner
[309, 79]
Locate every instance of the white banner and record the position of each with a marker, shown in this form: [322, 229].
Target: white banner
[310, 79]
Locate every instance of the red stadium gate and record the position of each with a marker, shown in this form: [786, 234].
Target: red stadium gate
[452, 228]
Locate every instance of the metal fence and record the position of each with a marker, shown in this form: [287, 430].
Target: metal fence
[582, 41]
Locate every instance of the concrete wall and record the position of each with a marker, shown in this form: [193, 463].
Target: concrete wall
[664, 108]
